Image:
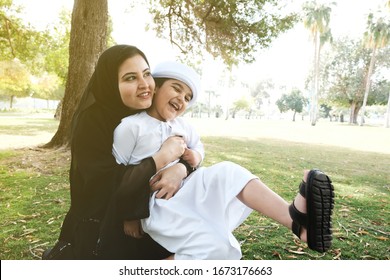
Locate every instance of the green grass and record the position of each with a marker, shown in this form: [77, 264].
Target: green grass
[27, 127]
[34, 197]
[361, 223]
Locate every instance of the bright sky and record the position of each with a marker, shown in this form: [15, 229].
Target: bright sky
[286, 62]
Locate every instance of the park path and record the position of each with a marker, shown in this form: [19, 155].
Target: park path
[364, 138]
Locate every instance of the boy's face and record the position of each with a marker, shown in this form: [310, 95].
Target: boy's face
[170, 100]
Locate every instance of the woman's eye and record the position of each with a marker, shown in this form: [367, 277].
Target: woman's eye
[129, 78]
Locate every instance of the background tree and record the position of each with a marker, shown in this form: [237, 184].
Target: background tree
[241, 104]
[18, 40]
[387, 120]
[47, 87]
[88, 37]
[262, 91]
[325, 110]
[316, 19]
[14, 80]
[376, 36]
[56, 58]
[345, 70]
[294, 101]
[210, 94]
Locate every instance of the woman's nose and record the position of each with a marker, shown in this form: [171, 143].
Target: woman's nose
[143, 83]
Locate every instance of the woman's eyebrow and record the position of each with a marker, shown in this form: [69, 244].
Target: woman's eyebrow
[128, 73]
[135, 73]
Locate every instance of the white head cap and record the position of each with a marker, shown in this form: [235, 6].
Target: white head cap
[181, 72]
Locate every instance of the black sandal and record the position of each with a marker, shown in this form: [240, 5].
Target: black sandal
[319, 194]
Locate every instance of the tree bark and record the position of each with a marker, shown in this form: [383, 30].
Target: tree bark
[314, 97]
[355, 108]
[87, 41]
[368, 83]
[387, 124]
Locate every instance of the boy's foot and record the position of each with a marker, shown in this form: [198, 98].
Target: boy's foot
[312, 209]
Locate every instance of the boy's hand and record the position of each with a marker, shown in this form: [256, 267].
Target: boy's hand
[192, 157]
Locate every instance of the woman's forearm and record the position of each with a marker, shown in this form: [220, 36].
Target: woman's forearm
[132, 196]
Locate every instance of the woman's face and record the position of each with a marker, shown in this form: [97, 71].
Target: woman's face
[170, 100]
[136, 84]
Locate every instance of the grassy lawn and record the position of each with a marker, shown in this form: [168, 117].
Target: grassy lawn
[34, 190]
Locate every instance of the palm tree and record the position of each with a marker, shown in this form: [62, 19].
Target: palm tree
[376, 36]
[316, 19]
[387, 122]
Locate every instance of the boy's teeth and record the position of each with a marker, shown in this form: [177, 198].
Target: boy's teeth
[175, 106]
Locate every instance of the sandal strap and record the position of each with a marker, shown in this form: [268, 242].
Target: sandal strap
[299, 220]
[302, 188]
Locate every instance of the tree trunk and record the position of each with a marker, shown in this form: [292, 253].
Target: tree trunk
[87, 41]
[11, 101]
[368, 82]
[355, 108]
[387, 124]
[314, 97]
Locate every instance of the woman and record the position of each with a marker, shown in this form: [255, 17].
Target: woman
[121, 85]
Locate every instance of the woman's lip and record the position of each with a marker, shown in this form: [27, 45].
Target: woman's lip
[144, 95]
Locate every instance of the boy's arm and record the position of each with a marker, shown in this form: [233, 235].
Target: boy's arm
[125, 139]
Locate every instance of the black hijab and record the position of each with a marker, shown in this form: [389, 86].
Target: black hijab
[103, 85]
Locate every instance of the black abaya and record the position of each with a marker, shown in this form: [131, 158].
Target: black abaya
[97, 182]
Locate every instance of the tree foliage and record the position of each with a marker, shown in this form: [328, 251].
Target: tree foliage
[231, 30]
[241, 104]
[377, 36]
[293, 101]
[317, 19]
[345, 72]
[48, 87]
[56, 59]
[18, 40]
[262, 91]
[44, 54]
[14, 79]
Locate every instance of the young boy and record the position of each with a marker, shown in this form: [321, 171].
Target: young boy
[140, 136]
[199, 220]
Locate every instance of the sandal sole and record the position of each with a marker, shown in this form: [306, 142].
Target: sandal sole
[320, 203]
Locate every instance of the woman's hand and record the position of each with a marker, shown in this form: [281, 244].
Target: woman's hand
[171, 150]
[133, 228]
[168, 181]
